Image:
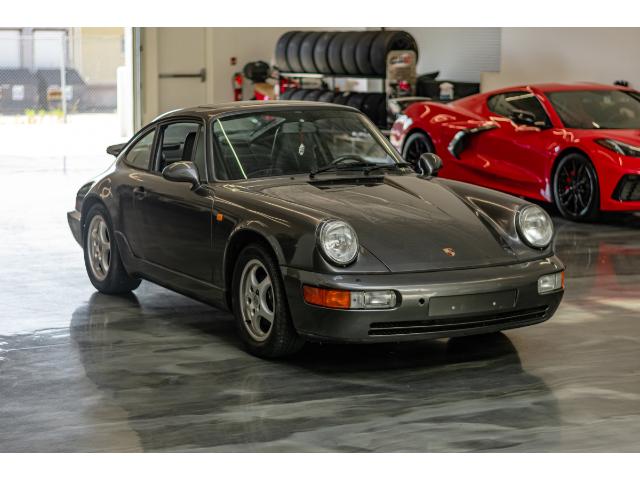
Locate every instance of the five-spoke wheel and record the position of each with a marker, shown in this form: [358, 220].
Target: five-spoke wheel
[258, 307]
[99, 245]
[260, 304]
[101, 256]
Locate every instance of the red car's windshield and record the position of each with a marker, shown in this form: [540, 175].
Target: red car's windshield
[597, 109]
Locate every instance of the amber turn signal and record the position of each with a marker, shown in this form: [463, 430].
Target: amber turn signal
[327, 298]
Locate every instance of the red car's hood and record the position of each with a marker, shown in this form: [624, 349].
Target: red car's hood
[631, 137]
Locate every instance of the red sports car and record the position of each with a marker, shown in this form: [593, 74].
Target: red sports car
[577, 146]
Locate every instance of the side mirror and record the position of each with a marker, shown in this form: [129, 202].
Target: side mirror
[182, 172]
[522, 117]
[115, 149]
[429, 164]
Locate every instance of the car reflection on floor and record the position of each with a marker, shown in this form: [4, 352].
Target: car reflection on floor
[337, 397]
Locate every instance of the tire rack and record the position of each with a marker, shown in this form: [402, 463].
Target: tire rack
[383, 78]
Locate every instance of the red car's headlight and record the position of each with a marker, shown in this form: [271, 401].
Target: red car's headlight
[619, 147]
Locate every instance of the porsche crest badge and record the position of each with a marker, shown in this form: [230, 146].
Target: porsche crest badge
[449, 251]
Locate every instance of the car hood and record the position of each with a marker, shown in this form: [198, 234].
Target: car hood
[409, 223]
[631, 137]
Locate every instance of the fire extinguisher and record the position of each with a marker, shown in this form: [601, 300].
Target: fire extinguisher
[236, 82]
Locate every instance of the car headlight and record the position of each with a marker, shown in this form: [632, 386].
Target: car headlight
[535, 226]
[338, 241]
[619, 147]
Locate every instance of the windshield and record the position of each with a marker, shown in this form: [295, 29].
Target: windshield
[290, 142]
[595, 109]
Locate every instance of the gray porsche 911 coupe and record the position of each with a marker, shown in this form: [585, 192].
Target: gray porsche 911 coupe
[303, 220]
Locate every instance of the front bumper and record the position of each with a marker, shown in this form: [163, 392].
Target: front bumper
[73, 218]
[412, 318]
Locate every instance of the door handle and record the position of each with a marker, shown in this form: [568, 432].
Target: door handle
[139, 192]
[202, 75]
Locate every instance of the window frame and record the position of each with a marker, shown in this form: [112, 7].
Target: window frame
[548, 122]
[134, 141]
[163, 124]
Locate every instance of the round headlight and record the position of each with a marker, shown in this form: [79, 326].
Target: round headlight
[535, 226]
[338, 241]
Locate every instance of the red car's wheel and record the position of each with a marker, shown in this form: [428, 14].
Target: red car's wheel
[416, 144]
[575, 188]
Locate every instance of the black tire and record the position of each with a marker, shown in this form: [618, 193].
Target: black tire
[576, 192]
[287, 94]
[327, 96]
[307, 48]
[371, 106]
[341, 98]
[299, 94]
[117, 280]
[313, 95]
[386, 41]
[356, 99]
[334, 53]
[415, 145]
[282, 338]
[320, 52]
[257, 72]
[281, 51]
[349, 53]
[363, 53]
[293, 51]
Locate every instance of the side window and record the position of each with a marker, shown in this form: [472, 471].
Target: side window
[178, 144]
[138, 156]
[505, 103]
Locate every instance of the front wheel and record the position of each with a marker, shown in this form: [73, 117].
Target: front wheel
[260, 305]
[416, 144]
[101, 255]
[575, 188]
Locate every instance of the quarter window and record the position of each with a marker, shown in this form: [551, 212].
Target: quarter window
[138, 156]
[506, 104]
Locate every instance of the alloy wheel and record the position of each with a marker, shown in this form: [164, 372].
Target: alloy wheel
[416, 147]
[575, 187]
[99, 247]
[258, 303]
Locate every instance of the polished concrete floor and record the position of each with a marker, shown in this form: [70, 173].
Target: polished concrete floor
[155, 371]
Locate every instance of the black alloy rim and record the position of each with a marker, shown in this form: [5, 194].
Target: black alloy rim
[416, 148]
[575, 187]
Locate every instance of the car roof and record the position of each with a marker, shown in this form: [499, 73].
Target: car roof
[249, 106]
[559, 87]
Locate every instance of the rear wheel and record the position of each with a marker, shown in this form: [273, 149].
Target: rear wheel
[416, 144]
[260, 305]
[101, 256]
[575, 188]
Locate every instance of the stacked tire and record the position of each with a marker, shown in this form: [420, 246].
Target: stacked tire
[373, 105]
[359, 53]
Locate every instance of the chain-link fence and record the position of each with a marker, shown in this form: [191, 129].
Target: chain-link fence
[56, 72]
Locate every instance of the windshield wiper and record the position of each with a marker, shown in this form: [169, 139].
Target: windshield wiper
[355, 161]
[394, 166]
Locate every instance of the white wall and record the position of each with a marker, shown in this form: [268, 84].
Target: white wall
[458, 53]
[532, 55]
[245, 44]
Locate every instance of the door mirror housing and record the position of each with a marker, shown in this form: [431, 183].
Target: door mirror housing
[429, 164]
[522, 117]
[182, 172]
[115, 149]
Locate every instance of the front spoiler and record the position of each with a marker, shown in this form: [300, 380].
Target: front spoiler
[411, 318]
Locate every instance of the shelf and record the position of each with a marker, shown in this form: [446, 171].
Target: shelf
[331, 75]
